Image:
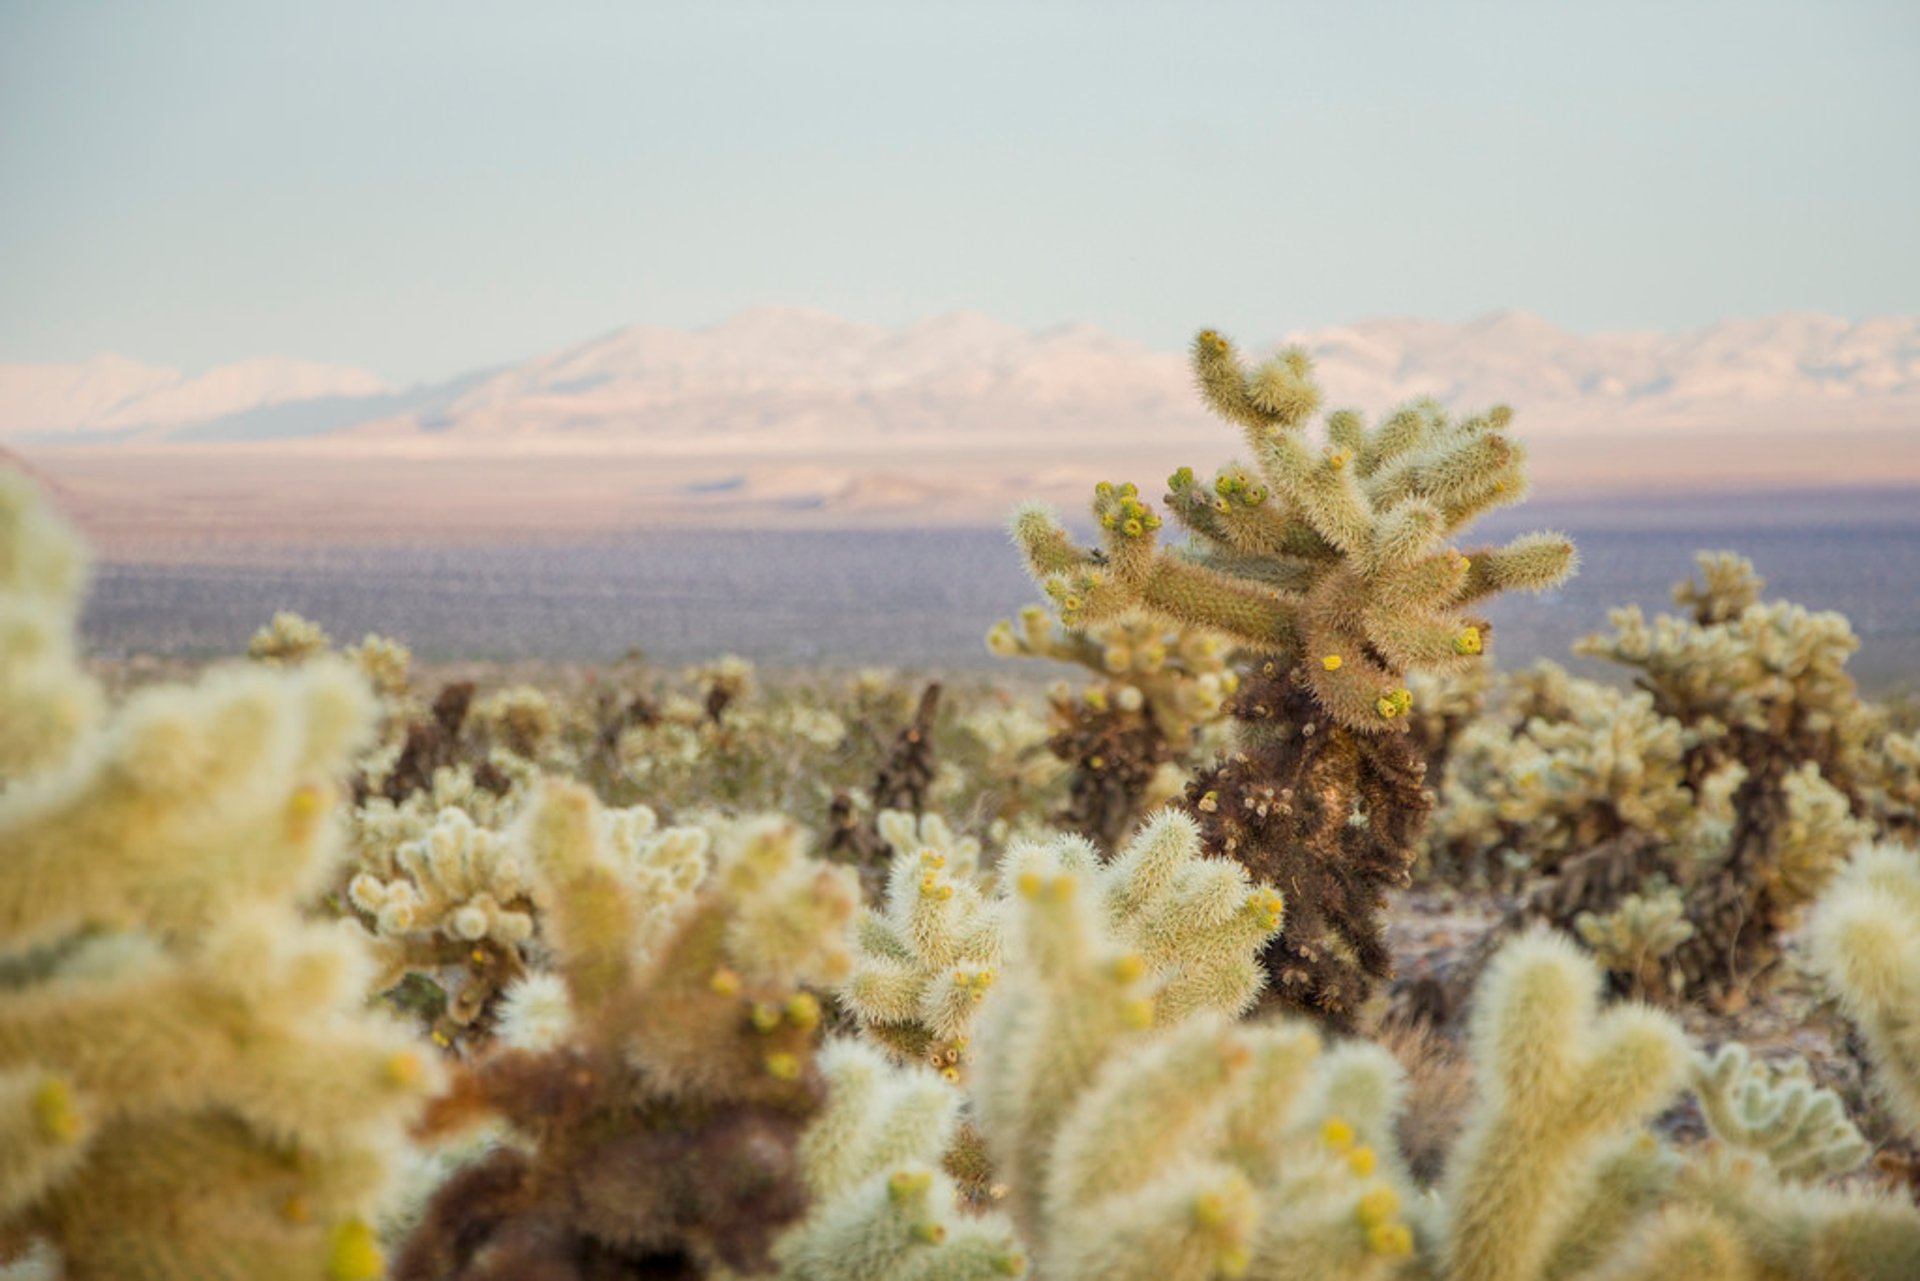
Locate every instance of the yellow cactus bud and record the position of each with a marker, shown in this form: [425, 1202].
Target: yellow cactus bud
[303, 811]
[951, 1074]
[1362, 1161]
[1061, 887]
[353, 1254]
[1029, 884]
[725, 982]
[1467, 642]
[930, 1233]
[1340, 458]
[1234, 1261]
[1129, 967]
[1010, 1265]
[1133, 528]
[765, 1017]
[1331, 662]
[1209, 1210]
[402, 1069]
[1390, 1240]
[803, 1011]
[1138, 1013]
[906, 1184]
[1377, 1206]
[440, 1038]
[782, 1066]
[1337, 1134]
[54, 1112]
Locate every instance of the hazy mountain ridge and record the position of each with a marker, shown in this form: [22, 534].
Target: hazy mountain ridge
[787, 380]
[111, 393]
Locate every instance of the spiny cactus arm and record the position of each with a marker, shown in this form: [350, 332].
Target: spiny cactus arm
[1196, 1222]
[192, 798]
[1556, 1082]
[1132, 1124]
[898, 1227]
[792, 915]
[45, 1126]
[881, 1210]
[588, 912]
[1632, 1177]
[1530, 563]
[46, 701]
[1679, 1243]
[1278, 393]
[1132, 573]
[1864, 938]
[1795, 1229]
[1288, 574]
[877, 1116]
[189, 1198]
[245, 1029]
[1076, 1002]
[1321, 486]
[1803, 1131]
[1046, 546]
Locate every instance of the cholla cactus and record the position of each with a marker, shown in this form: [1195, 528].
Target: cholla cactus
[1444, 705]
[1562, 1086]
[386, 663]
[931, 956]
[1606, 766]
[1777, 1113]
[1157, 689]
[1016, 765]
[1205, 1148]
[519, 718]
[1741, 771]
[663, 1131]
[1865, 940]
[289, 639]
[458, 911]
[1636, 940]
[1335, 568]
[883, 1208]
[190, 1084]
[49, 701]
[457, 904]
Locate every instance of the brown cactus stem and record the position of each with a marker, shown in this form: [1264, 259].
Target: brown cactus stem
[1330, 818]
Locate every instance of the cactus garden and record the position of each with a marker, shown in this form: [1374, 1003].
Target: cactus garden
[1287, 935]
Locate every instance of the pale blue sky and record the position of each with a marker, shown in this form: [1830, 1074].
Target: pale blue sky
[422, 187]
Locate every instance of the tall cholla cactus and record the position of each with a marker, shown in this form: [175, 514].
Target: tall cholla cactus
[1335, 567]
[657, 1132]
[191, 1085]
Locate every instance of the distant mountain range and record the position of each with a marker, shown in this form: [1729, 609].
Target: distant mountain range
[790, 382]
